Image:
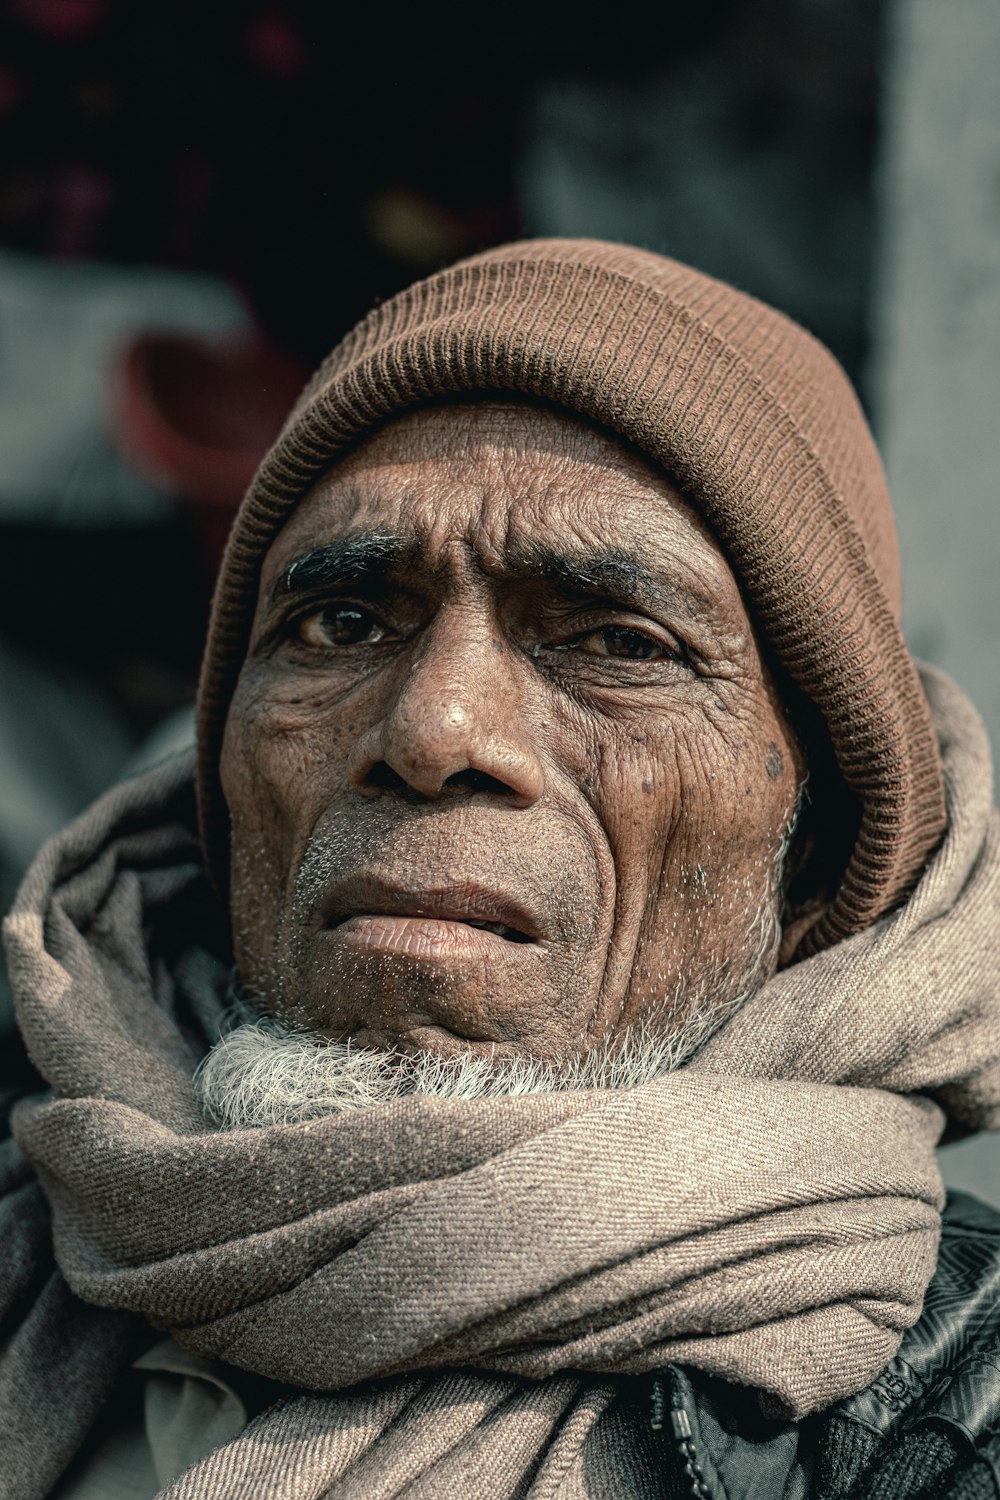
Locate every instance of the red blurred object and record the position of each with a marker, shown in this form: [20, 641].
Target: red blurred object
[275, 45]
[65, 20]
[197, 415]
[11, 89]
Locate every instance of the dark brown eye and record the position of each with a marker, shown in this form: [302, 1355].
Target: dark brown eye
[341, 625]
[629, 645]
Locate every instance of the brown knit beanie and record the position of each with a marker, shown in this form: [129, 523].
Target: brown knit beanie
[752, 418]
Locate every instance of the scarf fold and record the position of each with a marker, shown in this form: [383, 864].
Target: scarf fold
[460, 1282]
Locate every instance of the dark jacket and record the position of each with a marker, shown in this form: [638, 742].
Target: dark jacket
[929, 1426]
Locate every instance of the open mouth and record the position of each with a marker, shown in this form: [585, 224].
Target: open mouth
[429, 920]
[380, 913]
[501, 929]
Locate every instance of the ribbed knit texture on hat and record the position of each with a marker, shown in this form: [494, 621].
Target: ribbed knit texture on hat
[749, 414]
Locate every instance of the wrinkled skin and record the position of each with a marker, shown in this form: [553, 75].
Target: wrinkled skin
[535, 700]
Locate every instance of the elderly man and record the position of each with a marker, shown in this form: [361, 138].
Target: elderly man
[530, 1082]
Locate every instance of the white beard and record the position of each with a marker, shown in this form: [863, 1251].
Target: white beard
[260, 1072]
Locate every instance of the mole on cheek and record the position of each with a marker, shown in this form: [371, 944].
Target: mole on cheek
[774, 762]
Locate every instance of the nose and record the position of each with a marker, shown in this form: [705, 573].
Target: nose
[454, 720]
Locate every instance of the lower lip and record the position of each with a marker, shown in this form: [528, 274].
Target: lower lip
[424, 937]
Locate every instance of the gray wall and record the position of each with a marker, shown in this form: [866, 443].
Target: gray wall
[936, 369]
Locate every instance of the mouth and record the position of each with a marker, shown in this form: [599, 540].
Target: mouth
[509, 934]
[453, 917]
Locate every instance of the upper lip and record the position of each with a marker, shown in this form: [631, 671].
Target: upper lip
[465, 902]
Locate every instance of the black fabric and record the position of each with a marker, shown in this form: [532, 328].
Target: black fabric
[927, 1428]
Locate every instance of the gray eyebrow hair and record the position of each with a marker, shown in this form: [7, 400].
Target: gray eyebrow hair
[343, 561]
[610, 572]
[614, 574]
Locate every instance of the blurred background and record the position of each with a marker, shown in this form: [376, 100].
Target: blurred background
[196, 201]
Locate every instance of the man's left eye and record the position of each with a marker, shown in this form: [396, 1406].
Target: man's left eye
[625, 644]
[341, 625]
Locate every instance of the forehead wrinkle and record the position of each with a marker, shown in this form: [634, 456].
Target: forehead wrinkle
[677, 564]
[626, 525]
[524, 510]
[586, 566]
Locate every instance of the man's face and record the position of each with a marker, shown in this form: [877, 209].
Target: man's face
[505, 767]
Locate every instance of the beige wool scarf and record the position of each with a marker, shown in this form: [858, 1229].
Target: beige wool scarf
[456, 1284]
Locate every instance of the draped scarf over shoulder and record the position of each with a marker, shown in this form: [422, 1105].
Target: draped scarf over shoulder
[454, 1285]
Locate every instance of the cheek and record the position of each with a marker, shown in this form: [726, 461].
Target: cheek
[279, 767]
[644, 781]
[281, 753]
[696, 854]
[694, 813]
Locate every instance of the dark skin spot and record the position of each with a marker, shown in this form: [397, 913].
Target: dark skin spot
[774, 761]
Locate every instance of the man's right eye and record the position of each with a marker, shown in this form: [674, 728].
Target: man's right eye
[340, 625]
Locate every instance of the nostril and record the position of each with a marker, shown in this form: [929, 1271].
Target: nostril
[472, 780]
[469, 782]
[385, 779]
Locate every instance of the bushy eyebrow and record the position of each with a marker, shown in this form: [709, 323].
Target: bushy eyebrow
[612, 574]
[346, 560]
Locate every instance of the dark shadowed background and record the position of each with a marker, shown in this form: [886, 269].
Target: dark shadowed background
[197, 199]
